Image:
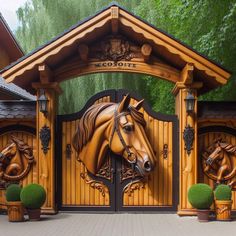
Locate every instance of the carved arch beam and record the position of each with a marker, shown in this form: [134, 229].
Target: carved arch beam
[159, 70]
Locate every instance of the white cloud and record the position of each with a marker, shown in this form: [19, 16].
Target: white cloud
[8, 10]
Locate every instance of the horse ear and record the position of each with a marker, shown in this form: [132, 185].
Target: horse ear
[138, 105]
[124, 103]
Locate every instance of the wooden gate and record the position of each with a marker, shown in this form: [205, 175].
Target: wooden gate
[113, 188]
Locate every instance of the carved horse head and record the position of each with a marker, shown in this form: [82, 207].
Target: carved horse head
[218, 161]
[11, 160]
[119, 127]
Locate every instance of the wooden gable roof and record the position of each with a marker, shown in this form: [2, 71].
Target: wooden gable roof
[67, 55]
[8, 41]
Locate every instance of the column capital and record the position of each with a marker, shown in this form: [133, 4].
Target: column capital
[181, 85]
[54, 85]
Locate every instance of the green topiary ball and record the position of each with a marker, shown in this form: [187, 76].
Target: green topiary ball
[13, 193]
[223, 192]
[200, 196]
[33, 196]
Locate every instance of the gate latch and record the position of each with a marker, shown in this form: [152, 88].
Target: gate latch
[68, 151]
[165, 151]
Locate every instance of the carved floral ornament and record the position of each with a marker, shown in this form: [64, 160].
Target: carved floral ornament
[117, 48]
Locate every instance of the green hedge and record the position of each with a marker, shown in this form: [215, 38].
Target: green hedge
[33, 196]
[200, 196]
[13, 193]
[223, 192]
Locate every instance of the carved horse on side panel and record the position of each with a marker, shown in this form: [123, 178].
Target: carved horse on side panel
[13, 158]
[118, 127]
[219, 162]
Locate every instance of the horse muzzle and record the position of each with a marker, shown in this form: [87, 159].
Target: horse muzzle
[144, 165]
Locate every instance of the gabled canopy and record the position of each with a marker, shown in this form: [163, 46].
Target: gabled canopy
[113, 40]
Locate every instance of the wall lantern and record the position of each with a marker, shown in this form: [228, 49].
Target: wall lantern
[43, 102]
[189, 103]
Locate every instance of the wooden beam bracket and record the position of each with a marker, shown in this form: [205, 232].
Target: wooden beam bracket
[146, 51]
[115, 19]
[45, 74]
[186, 75]
[83, 52]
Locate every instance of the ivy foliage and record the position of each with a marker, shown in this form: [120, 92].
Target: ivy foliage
[208, 26]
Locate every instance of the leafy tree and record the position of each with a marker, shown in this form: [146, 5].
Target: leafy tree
[206, 25]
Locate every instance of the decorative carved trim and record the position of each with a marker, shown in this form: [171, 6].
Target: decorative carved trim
[106, 171]
[188, 137]
[100, 186]
[115, 48]
[127, 172]
[45, 137]
[134, 185]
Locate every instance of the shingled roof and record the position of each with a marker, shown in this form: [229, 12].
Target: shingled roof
[14, 91]
[17, 109]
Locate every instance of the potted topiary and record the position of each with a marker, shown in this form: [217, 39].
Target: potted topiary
[223, 202]
[33, 197]
[201, 197]
[15, 208]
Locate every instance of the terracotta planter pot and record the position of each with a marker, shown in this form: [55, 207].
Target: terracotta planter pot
[223, 209]
[203, 215]
[34, 214]
[15, 211]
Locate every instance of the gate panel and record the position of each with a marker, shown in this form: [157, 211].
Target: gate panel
[160, 191]
[78, 190]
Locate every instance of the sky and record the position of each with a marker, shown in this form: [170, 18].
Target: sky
[8, 10]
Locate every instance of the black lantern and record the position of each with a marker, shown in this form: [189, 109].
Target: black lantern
[43, 102]
[189, 103]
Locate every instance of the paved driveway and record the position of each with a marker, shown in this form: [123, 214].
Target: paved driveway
[70, 224]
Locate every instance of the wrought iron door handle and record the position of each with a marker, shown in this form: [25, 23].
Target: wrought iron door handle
[68, 151]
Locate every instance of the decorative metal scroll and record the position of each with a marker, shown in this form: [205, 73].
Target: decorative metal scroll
[12, 159]
[165, 151]
[99, 185]
[188, 137]
[45, 137]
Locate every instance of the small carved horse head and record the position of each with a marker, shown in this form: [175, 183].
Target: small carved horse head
[11, 160]
[119, 127]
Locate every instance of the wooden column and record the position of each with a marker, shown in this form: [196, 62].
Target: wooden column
[187, 161]
[46, 159]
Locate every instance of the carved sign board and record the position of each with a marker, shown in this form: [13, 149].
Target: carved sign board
[116, 64]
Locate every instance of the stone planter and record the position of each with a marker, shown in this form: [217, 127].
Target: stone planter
[203, 215]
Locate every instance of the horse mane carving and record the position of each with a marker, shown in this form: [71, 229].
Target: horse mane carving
[87, 125]
[100, 128]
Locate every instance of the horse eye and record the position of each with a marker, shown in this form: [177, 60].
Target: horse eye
[128, 128]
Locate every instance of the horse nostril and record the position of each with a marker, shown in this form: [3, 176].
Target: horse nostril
[147, 165]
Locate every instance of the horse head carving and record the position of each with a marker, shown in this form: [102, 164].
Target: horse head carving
[119, 127]
[219, 161]
[12, 159]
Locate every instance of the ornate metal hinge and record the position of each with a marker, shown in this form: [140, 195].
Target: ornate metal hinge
[45, 136]
[188, 137]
